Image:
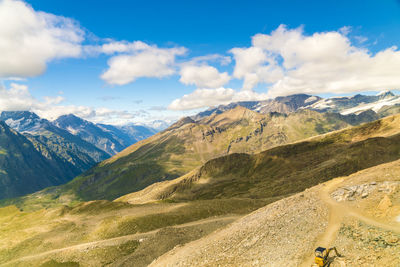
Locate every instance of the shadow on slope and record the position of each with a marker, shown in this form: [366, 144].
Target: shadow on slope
[288, 169]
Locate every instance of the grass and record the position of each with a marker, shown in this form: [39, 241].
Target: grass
[53, 263]
[288, 169]
[177, 151]
[35, 232]
[194, 211]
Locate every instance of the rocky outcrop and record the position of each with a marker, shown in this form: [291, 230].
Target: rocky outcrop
[351, 193]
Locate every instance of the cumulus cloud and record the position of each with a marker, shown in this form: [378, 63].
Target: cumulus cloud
[213, 97]
[203, 76]
[30, 39]
[324, 62]
[139, 60]
[253, 65]
[17, 97]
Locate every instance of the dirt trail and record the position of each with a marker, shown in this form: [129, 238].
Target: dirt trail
[337, 212]
[335, 219]
[114, 241]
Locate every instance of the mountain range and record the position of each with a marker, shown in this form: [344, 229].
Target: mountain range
[109, 138]
[259, 206]
[25, 169]
[243, 127]
[189, 143]
[343, 105]
[75, 145]
[70, 151]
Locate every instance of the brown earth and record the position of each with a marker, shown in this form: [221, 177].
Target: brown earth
[286, 233]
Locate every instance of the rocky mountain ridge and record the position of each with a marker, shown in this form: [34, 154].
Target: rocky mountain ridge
[344, 105]
[188, 144]
[109, 138]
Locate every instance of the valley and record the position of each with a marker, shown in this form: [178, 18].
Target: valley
[60, 155]
[188, 144]
[238, 208]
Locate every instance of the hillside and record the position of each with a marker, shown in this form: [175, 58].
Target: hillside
[188, 144]
[204, 209]
[364, 228]
[282, 170]
[74, 154]
[23, 169]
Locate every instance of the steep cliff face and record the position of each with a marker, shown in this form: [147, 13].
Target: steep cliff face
[23, 169]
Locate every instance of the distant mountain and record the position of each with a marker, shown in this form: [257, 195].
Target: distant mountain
[23, 169]
[188, 144]
[109, 138]
[65, 151]
[158, 125]
[356, 104]
[284, 104]
[90, 132]
[129, 133]
[55, 143]
[287, 104]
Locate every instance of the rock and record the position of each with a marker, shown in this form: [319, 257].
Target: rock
[364, 195]
[385, 203]
[359, 190]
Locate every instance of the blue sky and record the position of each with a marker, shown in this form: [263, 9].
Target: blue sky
[180, 31]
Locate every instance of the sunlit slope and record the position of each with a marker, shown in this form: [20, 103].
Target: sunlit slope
[364, 227]
[189, 144]
[286, 169]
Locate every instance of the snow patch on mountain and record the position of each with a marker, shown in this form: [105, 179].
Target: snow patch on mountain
[375, 106]
[322, 104]
[72, 130]
[311, 99]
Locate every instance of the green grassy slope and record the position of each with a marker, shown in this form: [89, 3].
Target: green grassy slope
[188, 144]
[283, 170]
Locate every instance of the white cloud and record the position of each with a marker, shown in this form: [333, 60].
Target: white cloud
[254, 66]
[114, 47]
[213, 97]
[203, 76]
[142, 60]
[30, 39]
[326, 62]
[288, 61]
[17, 97]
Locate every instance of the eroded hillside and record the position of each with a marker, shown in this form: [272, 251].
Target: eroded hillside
[365, 229]
[286, 169]
[188, 144]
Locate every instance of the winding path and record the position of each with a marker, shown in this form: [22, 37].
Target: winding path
[337, 212]
[114, 241]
